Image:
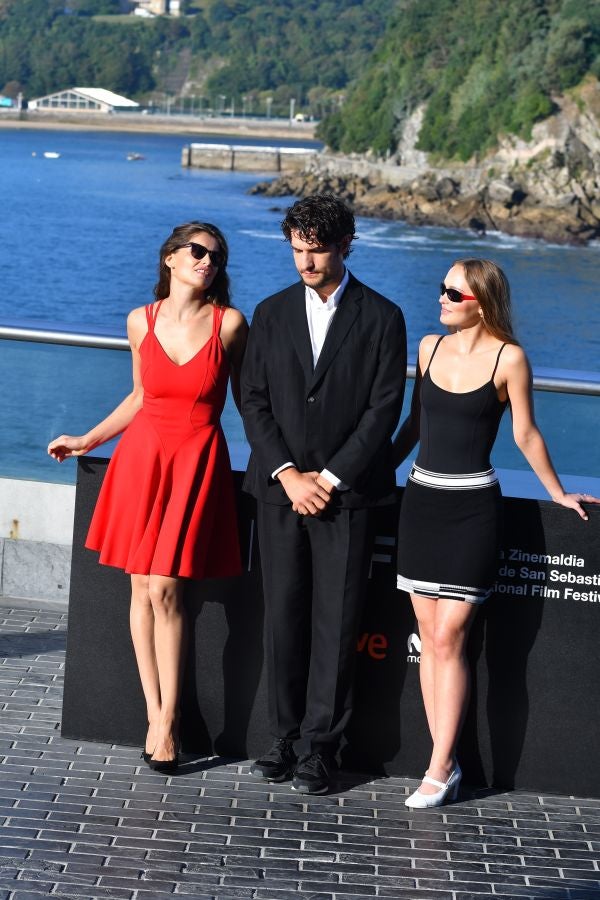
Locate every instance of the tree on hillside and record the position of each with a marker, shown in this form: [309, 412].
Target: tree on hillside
[483, 67]
[93, 7]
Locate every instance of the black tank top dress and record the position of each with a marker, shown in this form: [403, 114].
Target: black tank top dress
[450, 524]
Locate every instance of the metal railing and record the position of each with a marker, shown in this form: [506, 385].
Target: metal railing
[555, 380]
[99, 340]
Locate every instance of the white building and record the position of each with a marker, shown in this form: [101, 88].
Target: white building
[86, 100]
[157, 7]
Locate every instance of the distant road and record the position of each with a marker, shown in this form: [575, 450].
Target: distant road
[239, 126]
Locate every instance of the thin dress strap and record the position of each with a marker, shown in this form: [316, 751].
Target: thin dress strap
[497, 361]
[438, 342]
[151, 314]
[218, 314]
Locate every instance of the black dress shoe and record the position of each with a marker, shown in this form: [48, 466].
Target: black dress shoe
[313, 774]
[164, 765]
[278, 763]
[146, 757]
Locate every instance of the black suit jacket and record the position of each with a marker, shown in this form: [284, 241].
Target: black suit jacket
[339, 415]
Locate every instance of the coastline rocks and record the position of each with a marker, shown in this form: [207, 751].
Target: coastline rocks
[500, 206]
[547, 187]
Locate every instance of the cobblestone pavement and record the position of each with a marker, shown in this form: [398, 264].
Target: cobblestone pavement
[90, 820]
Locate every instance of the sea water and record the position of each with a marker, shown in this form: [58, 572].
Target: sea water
[79, 240]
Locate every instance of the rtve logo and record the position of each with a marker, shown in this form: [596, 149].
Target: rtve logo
[375, 645]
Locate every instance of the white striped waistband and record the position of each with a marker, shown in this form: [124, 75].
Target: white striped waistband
[468, 481]
[438, 591]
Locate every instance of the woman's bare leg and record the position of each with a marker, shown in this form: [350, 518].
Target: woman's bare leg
[170, 641]
[451, 677]
[425, 611]
[141, 622]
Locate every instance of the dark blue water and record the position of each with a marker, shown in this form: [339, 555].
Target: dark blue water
[79, 237]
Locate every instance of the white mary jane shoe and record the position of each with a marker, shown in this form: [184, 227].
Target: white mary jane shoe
[448, 790]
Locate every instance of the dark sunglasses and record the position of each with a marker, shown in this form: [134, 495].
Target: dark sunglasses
[199, 251]
[453, 295]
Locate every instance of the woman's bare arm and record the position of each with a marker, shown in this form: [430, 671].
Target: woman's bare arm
[66, 445]
[407, 436]
[528, 437]
[234, 333]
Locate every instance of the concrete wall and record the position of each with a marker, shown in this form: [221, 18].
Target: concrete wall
[246, 158]
[256, 159]
[36, 533]
[208, 156]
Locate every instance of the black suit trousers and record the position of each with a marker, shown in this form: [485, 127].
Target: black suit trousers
[314, 579]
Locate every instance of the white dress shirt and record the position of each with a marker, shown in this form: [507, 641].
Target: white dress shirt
[319, 315]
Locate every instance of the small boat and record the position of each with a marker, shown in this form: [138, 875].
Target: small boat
[51, 154]
[132, 157]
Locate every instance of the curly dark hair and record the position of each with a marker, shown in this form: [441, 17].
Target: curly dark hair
[218, 293]
[322, 219]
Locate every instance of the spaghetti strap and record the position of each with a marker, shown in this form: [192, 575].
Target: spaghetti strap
[438, 342]
[218, 315]
[497, 360]
[151, 314]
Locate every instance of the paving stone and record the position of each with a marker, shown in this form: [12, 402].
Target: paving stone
[25, 884]
[89, 820]
[153, 892]
[224, 893]
[274, 892]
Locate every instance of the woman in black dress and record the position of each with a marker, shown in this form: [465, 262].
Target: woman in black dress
[451, 515]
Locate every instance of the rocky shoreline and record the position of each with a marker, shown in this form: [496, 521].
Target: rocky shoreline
[500, 206]
[546, 188]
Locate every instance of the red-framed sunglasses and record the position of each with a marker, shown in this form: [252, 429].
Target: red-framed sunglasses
[453, 295]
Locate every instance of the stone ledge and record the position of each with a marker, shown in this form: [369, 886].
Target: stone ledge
[34, 570]
[37, 511]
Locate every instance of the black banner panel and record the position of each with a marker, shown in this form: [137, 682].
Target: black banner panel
[533, 720]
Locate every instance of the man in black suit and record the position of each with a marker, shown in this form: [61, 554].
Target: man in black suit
[322, 388]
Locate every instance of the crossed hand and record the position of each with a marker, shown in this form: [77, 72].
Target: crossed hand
[309, 492]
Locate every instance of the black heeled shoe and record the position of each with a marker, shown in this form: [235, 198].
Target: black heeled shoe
[144, 754]
[164, 765]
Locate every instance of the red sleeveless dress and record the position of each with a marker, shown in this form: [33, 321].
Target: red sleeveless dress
[167, 505]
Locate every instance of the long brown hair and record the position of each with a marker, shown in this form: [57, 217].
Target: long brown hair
[491, 288]
[218, 292]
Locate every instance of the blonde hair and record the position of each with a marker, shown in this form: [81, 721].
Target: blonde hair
[490, 286]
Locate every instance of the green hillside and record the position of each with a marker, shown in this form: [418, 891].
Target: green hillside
[308, 50]
[483, 66]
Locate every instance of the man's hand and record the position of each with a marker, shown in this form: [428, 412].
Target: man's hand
[308, 497]
[325, 484]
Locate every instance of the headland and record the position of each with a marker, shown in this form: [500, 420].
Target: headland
[546, 187]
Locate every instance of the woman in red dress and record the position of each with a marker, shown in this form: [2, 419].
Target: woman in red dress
[166, 508]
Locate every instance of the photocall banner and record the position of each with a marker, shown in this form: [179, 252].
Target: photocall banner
[533, 719]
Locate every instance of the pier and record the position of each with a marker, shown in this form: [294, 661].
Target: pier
[246, 158]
